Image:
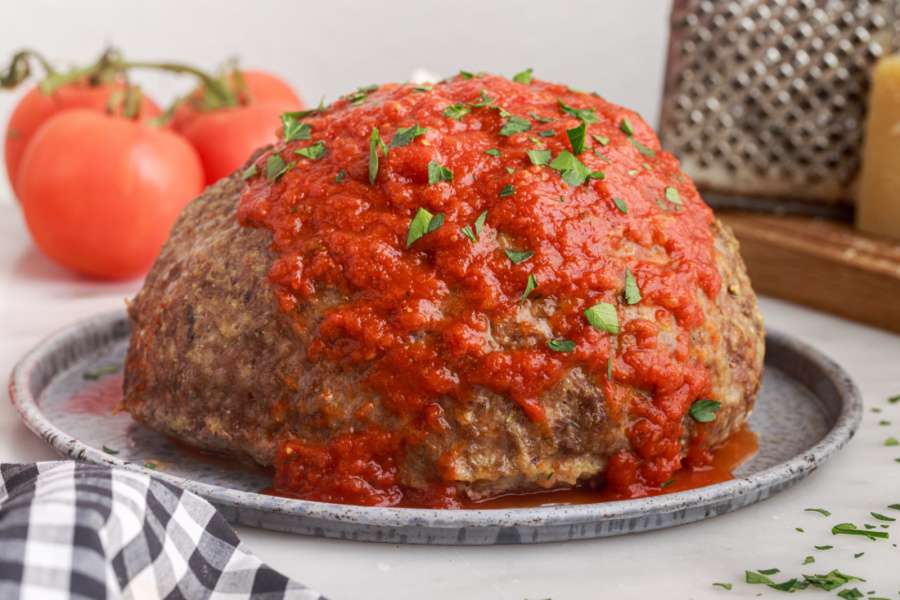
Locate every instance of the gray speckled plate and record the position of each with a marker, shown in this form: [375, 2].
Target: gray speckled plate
[807, 410]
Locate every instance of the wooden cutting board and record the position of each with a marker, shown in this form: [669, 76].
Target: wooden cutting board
[823, 264]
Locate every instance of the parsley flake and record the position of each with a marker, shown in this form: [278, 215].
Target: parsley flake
[601, 139]
[572, 170]
[457, 111]
[602, 317]
[294, 128]
[529, 287]
[423, 222]
[276, 167]
[724, 586]
[523, 77]
[375, 142]
[809, 560]
[405, 135]
[514, 124]
[341, 176]
[626, 127]
[516, 256]
[891, 441]
[632, 292]
[547, 133]
[704, 410]
[249, 172]
[438, 173]
[821, 511]
[539, 157]
[508, 190]
[882, 517]
[585, 114]
[561, 345]
[673, 196]
[621, 205]
[540, 119]
[109, 450]
[648, 152]
[850, 529]
[492, 152]
[576, 137]
[313, 152]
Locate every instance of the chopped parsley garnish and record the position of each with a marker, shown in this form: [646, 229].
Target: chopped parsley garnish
[724, 586]
[514, 124]
[666, 483]
[602, 317]
[809, 560]
[457, 111]
[151, 465]
[894, 506]
[276, 167]
[423, 88]
[375, 142]
[539, 157]
[626, 127]
[484, 100]
[601, 139]
[572, 170]
[823, 547]
[294, 128]
[585, 114]
[894, 399]
[821, 511]
[770, 571]
[508, 190]
[882, 517]
[648, 152]
[467, 74]
[599, 175]
[516, 256]
[851, 594]
[540, 119]
[829, 581]
[529, 287]
[753, 577]
[405, 135]
[249, 172]
[561, 345]
[361, 94]
[850, 529]
[523, 77]
[799, 530]
[673, 196]
[109, 450]
[510, 170]
[576, 137]
[632, 293]
[884, 423]
[609, 373]
[621, 205]
[479, 223]
[314, 152]
[423, 222]
[438, 173]
[704, 410]
[858, 554]
[341, 176]
[891, 441]
[492, 152]
[547, 133]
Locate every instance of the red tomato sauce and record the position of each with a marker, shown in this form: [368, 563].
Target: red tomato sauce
[416, 317]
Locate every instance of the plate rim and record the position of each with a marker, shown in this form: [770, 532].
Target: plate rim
[842, 431]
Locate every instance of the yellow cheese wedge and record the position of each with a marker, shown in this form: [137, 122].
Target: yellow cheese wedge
[878, 199]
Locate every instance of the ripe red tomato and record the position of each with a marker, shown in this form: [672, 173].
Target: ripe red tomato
[226, 138]
[100, 193]
[36, 107]
[260, 87]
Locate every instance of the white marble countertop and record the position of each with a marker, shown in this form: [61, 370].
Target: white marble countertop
[37, 298]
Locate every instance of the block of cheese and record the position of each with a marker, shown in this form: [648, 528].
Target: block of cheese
[878, 196]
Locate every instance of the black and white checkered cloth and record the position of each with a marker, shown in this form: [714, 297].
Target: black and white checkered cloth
[76, 530]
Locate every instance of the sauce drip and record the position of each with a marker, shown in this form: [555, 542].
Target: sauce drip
[432, 320]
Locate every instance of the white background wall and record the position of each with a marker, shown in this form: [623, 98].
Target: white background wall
[328, 47]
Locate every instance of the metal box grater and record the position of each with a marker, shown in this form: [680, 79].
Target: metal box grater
[768, 99]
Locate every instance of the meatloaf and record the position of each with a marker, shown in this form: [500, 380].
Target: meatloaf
[427, 294]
